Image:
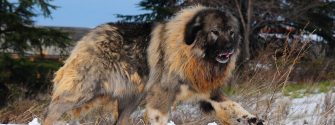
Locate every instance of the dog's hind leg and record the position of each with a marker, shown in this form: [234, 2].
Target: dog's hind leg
[64, 103]
[103, 101]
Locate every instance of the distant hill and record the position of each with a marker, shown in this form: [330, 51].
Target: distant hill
[76, 33]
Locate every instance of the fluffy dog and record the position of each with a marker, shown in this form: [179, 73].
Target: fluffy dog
[105, 70]
[189, 58]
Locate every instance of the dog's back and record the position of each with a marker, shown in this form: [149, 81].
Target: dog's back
[103, 68]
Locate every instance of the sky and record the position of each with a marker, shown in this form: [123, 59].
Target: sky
[88, 13]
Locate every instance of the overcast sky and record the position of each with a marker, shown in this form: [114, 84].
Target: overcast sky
[88, 13]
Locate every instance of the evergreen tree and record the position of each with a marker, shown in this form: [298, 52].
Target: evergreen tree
[315, 16]
[159, 10]
[17, 31]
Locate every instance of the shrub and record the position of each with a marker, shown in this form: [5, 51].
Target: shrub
[26, 77]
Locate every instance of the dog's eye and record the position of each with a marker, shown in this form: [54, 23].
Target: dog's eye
[231, 34]
[215, 32]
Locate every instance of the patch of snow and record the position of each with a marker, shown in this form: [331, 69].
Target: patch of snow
[34, 122]
[263, 66]
[213, 123]
[258, 66]
[171, 123]
[186, 111]
[305, 110]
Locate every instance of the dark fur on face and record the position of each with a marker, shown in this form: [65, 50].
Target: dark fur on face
[214, 35]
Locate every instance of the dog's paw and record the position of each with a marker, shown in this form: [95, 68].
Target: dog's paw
[250, 120]
[255, 121]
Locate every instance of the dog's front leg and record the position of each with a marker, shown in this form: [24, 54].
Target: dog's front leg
[228, 111]
[159, 101]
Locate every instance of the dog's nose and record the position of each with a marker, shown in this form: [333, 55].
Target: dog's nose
[228, 46]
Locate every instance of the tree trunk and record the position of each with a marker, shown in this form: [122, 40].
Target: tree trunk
[330, 49]
[247, 31]
[245, 8]
[40, 48]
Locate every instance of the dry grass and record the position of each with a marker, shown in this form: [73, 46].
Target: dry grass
[271, 73]
[261, 88]
[22, 111]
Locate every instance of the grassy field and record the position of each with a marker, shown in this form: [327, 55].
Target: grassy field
[298, 103]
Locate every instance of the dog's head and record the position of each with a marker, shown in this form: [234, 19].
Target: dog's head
[214, 35]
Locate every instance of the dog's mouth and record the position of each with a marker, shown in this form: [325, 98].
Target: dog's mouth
[223, 56]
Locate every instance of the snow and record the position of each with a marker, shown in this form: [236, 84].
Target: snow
[309, 110]
[263, 66]
[260, 66]
[312, 109]
[213, 123]
[34, 122]
[171, 123]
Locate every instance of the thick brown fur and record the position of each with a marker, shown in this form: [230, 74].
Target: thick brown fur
[183, 64]
[104, 69]
[189, 58]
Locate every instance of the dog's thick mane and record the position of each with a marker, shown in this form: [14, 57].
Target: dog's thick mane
[180, 61]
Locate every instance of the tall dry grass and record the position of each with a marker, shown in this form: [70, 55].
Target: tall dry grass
[262, 81]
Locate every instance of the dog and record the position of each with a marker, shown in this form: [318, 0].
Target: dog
[188, 59]
[105, 70]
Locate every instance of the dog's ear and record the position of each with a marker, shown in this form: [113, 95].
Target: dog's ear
[192, 28]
